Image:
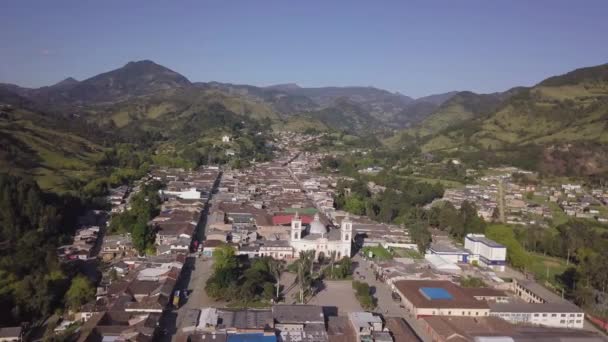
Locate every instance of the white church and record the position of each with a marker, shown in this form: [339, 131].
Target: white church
[319, 239]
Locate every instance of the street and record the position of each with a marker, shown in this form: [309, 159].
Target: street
[386, 306]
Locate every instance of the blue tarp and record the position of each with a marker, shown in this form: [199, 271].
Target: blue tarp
[435, 293]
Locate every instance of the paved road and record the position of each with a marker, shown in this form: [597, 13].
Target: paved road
[386, 305]
[501, 201]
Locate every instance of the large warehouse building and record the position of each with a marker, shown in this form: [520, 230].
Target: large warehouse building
[439, 298]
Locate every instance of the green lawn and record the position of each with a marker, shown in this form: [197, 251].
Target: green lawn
[446, 183]
[407, 253]
[541, 264]
[378, 253]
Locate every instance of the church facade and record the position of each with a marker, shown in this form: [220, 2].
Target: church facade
[319, 239]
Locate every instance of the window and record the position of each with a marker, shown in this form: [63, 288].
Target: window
[535, 315]
[553, 315]
[578, 321]
[463, 313]
[579, 315]
[563, 315]
[449, 313]
[571, 315]
[544, 315]
[477, 313]
[562, 321]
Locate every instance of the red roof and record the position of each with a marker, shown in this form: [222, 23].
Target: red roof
[285, 219]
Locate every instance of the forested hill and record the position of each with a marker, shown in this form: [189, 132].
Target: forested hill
[32, 224]
[559, 125]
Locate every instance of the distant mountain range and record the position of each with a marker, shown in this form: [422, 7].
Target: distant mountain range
[563, 120]
[350, 108]
[148, 98]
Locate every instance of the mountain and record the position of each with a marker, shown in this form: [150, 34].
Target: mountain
[284, 87]
[133, 79]
[145, 86]
[561, 119]
[437, 99]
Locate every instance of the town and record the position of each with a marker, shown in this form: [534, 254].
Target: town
[326, 274]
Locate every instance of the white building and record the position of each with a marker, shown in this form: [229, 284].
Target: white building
[225, 138]
[556, 315]
[449, 252]
[487, 252]
[191, 193]
[319, 239]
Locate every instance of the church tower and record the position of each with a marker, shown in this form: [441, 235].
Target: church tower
[346, 228]
[296, 228]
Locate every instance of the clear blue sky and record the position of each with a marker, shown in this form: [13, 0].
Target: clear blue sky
[415, 47]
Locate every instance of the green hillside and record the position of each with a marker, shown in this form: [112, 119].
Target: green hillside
[30, 145]
[568, 109]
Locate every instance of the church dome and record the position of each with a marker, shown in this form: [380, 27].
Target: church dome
[316, 226]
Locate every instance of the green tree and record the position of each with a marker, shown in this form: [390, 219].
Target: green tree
[224, 258]
[81, 291]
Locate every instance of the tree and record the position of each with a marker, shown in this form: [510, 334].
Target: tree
[139, 236]
[81, 291]
[305, 266]
[224, 258]
[276, 268]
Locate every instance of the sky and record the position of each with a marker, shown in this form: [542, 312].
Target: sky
[413, 47]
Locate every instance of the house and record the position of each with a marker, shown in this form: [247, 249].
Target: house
[305, 323]
[117, 246]
[365, 324]
[11, 334]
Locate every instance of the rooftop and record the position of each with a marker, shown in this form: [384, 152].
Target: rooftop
[298, 314]
[482, 239]
[437, 294]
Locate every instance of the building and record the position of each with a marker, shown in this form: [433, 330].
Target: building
[488, 294]
[320, 240]
[449, 252]
[11, 334]
[299, 323]
[444, 329]
[365, 324]
[401, 330]
[277, 249]
[438, 298]
[487, 252]
[557, 315]
[539, 307]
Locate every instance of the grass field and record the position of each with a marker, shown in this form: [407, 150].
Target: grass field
[407, 253]
[378, 252]
[541, 266]
[446, 183]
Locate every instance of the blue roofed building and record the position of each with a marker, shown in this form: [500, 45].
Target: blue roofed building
[439, 298]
